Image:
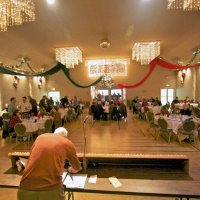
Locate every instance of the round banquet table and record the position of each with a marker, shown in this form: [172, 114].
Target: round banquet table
[176, 121]
[33, 125]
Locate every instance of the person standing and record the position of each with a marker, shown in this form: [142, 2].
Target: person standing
[25, 107]
[42, 178]
[64, 101]
[33, 103]
[44, 103]
[50, 103]
[12, 106]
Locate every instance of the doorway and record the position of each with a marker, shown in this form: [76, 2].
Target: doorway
[108, 94]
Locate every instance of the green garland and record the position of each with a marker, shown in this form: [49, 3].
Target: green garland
[58, 67]
[196, 53]
[67, 74]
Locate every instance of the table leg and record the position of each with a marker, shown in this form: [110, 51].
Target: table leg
[70, 195]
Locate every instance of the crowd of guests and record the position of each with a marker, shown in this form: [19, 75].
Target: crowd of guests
[114, 110]
[186, 107]
[28, 107]
[99, 109]
[187, 100]
[140, 105]
[137, 103]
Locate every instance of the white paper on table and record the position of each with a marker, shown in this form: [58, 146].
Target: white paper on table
[74, 180]
[92, 179]
[115, 182]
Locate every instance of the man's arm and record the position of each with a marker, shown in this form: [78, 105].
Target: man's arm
[75, 165]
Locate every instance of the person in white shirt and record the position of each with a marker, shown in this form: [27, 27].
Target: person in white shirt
[24, 106]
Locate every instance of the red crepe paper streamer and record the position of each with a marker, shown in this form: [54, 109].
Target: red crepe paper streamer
[161, 63]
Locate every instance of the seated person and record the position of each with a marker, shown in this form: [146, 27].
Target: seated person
[187, 99]
[144, 103]
[157, 102]
[175, 101]
[97, 110]
[164, 110]
[123, 110]
[14, 120]
[186, 110]
[105, 106]
[115, 113]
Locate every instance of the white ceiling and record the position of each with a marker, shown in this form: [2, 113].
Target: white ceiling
[83, 23]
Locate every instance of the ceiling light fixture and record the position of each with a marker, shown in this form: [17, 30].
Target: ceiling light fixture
[105, 43]
[186, 5]
[50, 2]
[16, 12]
[145, 52]
[69, 56]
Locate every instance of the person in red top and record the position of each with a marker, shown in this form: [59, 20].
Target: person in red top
[14, 120]
[42, 178]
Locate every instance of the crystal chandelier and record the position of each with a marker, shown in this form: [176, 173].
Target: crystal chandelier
[69, 56]
[16, 12]
[185, 5]
[107, 81]
[145, 52]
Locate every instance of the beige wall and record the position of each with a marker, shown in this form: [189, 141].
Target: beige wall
[27, 86]
[35, 91]
[198, 83]
[8, 90]
[190, 87]
[151, 87]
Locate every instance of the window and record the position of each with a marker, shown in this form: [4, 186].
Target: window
[167, 95]
[55, 96]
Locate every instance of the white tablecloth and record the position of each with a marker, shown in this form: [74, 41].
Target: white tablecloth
[175, 122]
[34, 125]
[63, 112]
[2, 112]
[180, 105]
[154, 109]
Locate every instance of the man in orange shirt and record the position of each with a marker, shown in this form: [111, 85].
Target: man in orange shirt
[42, 178]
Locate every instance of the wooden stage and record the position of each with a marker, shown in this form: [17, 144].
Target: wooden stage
[130, 138]
[139, 187]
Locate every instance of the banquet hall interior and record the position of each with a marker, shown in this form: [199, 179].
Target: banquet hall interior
[141, 57]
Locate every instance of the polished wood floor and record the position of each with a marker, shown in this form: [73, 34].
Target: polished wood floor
[132, 136]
